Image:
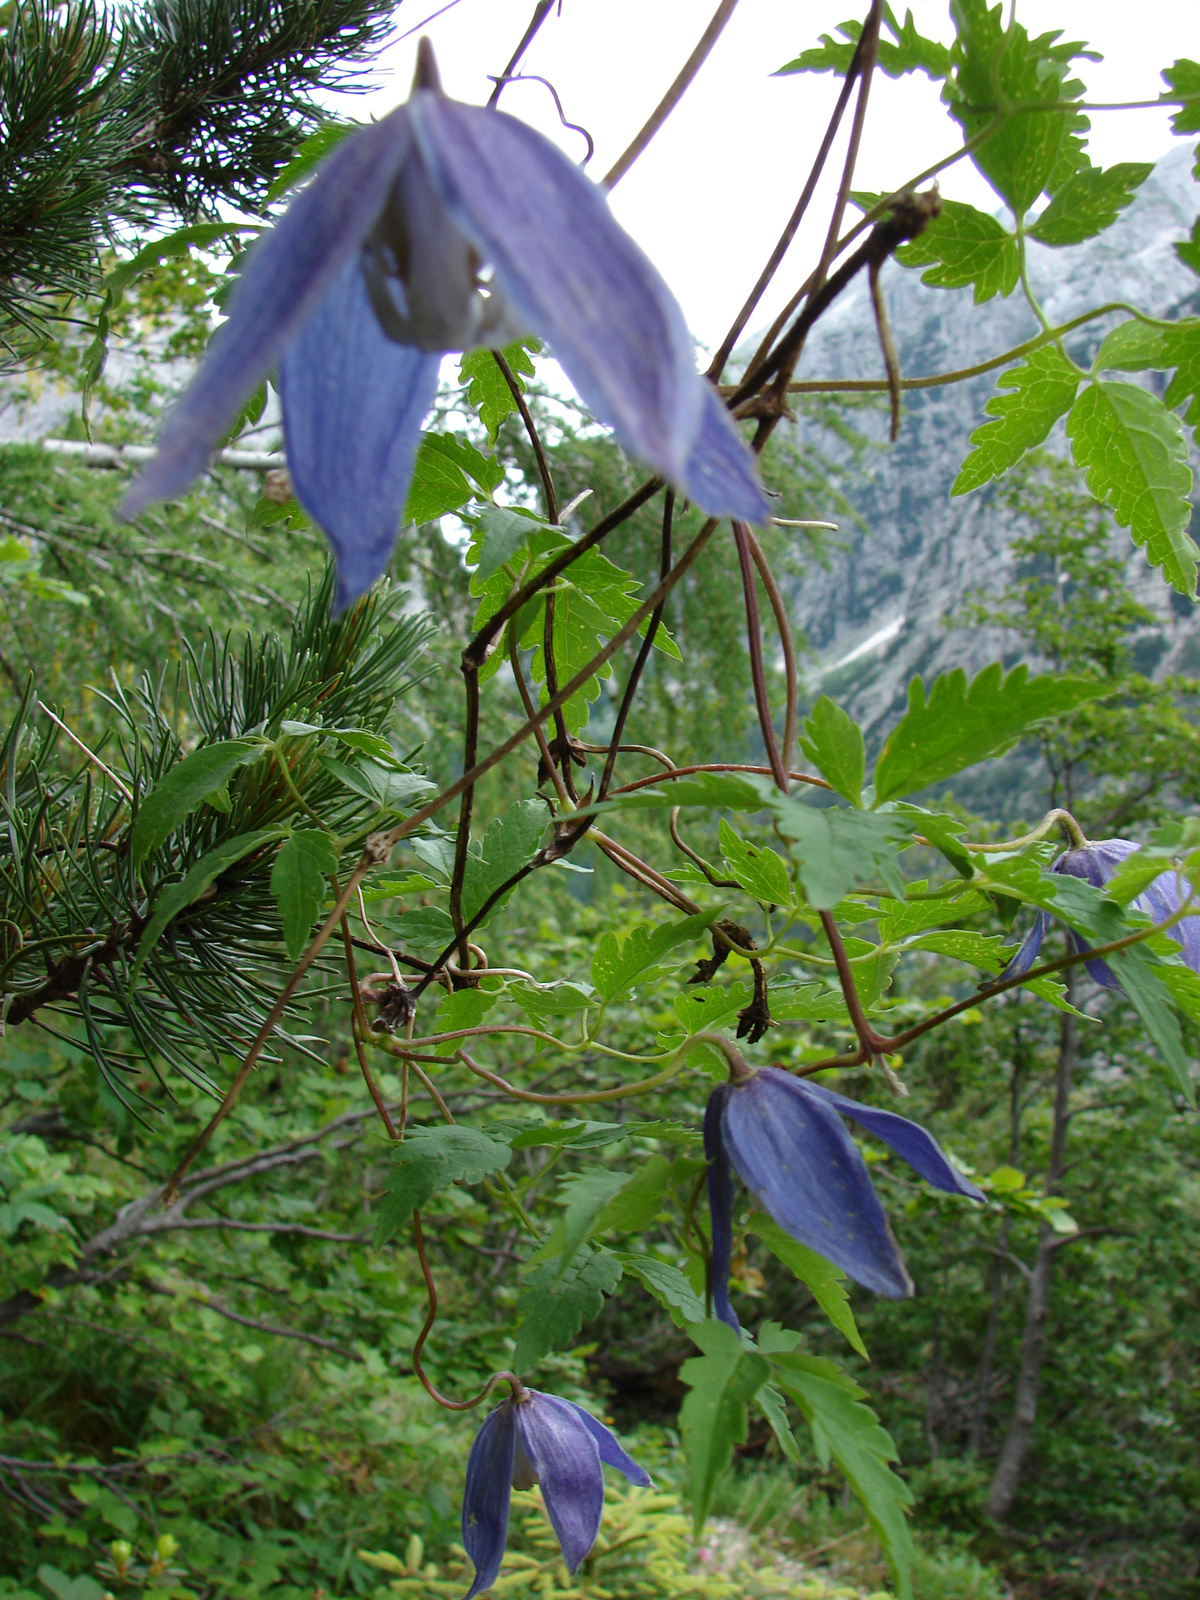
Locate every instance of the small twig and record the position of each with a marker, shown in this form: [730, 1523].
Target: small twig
[540, 12]
[754, 644]
[673, 95]
[643, 655]
[891, 360]
[431, 1317]
[785, 640]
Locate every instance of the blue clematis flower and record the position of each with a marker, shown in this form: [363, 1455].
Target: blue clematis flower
[375, 270]
[786, 1140]
[538, 1438]
[1096, 862]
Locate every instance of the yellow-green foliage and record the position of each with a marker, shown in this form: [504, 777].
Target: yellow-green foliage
[643, 1552]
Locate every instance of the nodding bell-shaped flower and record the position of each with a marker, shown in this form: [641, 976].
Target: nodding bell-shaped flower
[538, 1438]
[375, 270]
[1096, 862]
[786, 1140]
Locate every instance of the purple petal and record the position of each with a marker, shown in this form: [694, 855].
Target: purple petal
[1162, 900]
[722, 476]
[1096, 861]
[908, 1139]
[610, 1449]
[720, 1203]
[486, 1495]
[567, 1460]
[570, 272]
[287, 275]
[353, 404]
[795, 1156]
[1028, 953]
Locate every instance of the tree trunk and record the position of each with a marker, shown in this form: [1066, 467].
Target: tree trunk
[1007, 1480]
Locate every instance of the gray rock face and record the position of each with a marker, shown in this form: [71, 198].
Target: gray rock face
[883, 609]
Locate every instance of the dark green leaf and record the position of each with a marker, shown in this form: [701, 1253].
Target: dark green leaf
[487, 389]
[911, 52]
[714, 1417]
[965, 246]
[300, 882]
[838, 847]
[554, 1308]
[667, 1284]
[770, 1402]
[1043, 388]
[826, 1283]
[960, 724]
[446, 467]
[833, 742]
[640, 1198]
[429, 1160]
[759, 870]
[509, 844]
[184, 789]
[847, 1430]
[618, 966]
[1135, 456]
[1089, 202]
[309, 156]
[175, 897]
[426, 928]
[499, 534]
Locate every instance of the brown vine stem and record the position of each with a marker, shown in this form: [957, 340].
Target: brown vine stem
[717, 766]
[786, 642]
[891, 361]
[717, 366]
[754, 644]
[430, 1388]
[673, 95]
[359, 1027]
[664, 566]
[540, 12]
[870, 1043]
[543, 466]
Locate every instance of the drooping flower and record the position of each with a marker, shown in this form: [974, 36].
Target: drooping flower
[786, 1140]
[1096, 862]
[375, 270]
[538, 1438]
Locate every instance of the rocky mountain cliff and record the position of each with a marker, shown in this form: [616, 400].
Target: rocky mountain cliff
[883, 608]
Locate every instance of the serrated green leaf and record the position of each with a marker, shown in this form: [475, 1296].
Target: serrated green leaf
[499, 534]
[553, 1000]
[585, 1196]
[1130, 347]
[430, 1160]
[1183, 81]
[465, 1008]
[1089, 201]
[184, 789]
[384, 786]
[618, 965]
[510, 843]
[425, 928]
[826, 1283]
[554, 1308]
[714, 1415]
[838, 847]
[1135, 456]
[965, 246]
[487, 389]
[1188, 250]
[848, 1430]
[770, 1402]
[667, 1285]
[833, 742]
[759, 870]
[176, 897]
[1043, 389]
[443, 473]
[911, 51]
[309, 155]
[960, 724]
[639, 1199]
[701, 1010]
[299, 882]
[998, 66]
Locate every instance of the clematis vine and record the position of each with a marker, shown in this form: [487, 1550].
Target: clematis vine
[377, 268]
[786, 1140]
[1096, 862]
[538, 1438]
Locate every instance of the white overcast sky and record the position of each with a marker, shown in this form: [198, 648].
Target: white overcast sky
[708, 198]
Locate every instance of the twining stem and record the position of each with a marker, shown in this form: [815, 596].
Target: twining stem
[717, 365]
[664, 566]
[716, 766]
[754, 645]
[430, 1388]
[673, 95]
[870, 1043]
[786, 642]
[891, 361]
[359, 1027]
[540, 12]
[462, 841]
[624, 1091]
[518, 394]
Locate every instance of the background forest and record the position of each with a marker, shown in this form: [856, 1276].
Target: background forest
[212, 1393]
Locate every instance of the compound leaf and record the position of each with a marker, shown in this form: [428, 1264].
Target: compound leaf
[1089, 201]
[966, 246]
[555, 1307]
[1043, 388]
[827, 1284]
[714, 1416]
[429, 1160]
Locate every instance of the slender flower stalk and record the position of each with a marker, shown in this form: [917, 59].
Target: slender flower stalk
[381, 265]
